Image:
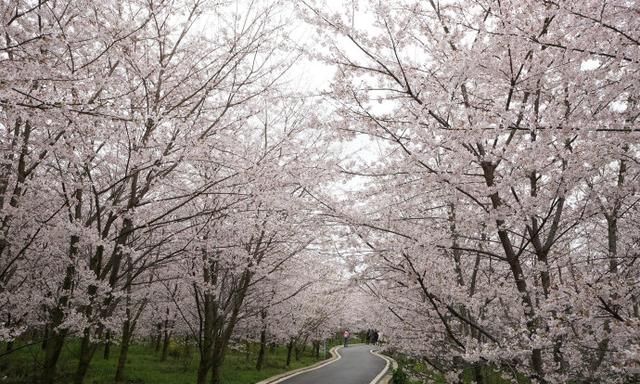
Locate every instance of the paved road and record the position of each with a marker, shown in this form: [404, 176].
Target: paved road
[357, 366]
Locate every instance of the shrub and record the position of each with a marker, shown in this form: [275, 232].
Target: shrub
[399, 377]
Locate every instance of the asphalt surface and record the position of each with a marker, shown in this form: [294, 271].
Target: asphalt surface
[357, 366]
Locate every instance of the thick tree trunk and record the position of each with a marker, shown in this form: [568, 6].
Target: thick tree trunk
[87, 350]
[216, 366]
[206, 341]
[165, 345]
[52, 354]
[10, 342]
[289, 350]
[303, 347]
[478, 376]
[4, 362]
[203, 370]
[124, 351]
[54, 346]
[612, 237]
[159, 337]
[107, 346]
[56, 340]
[216, 374]
[263, 347]
[218, 323]
[45, 337]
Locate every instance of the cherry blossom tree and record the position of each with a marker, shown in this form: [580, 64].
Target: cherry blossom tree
[119, 119]
[506, 133]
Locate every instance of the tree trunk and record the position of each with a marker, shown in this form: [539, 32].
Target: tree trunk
[124, 351]
[612, 239]
[45, 337]
[316, 349]
[54, 346]
[4, 363]
[303, 348]
[218, 326]
[516, 269]
[158, 337]
[52, 353]
[87, 349]
[478, 376]
[165, 345]
[56, 340]
[289, 350]
[107, 346]
[216, 374]
[296, 352]
[205, 341]
[216, 366]
[203, 369]
[263, 347]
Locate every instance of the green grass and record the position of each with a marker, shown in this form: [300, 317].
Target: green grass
[144, 365]
[416, 369]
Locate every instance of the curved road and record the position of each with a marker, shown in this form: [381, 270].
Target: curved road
[357, 366]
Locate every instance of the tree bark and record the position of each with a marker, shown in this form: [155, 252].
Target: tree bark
[289, 350]
[165, 345]
[56, 341]
[478, 375]
[87, 349]
[216, 366]
[45, 337]
[159, 337]
[52, 354]
[107, 346]
[124, 351]
[516, 269]
[263, 347]
[203, 369]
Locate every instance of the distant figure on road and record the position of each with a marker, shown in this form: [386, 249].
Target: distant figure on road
[346, 338]
[374, 338]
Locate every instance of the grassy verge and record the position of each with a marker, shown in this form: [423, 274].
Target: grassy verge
[144, 365]
[415, 372]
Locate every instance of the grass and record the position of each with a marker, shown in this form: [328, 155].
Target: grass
[144, 365]
[415, 369]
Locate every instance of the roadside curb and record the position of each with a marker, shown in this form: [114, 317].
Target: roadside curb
[335, 356]
[386, 375]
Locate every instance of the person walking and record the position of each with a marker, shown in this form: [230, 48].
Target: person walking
[346, 335]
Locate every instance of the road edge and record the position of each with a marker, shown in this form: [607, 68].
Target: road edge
[386, 375]
[335, 356]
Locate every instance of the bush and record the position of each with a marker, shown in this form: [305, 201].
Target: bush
[399, 377]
